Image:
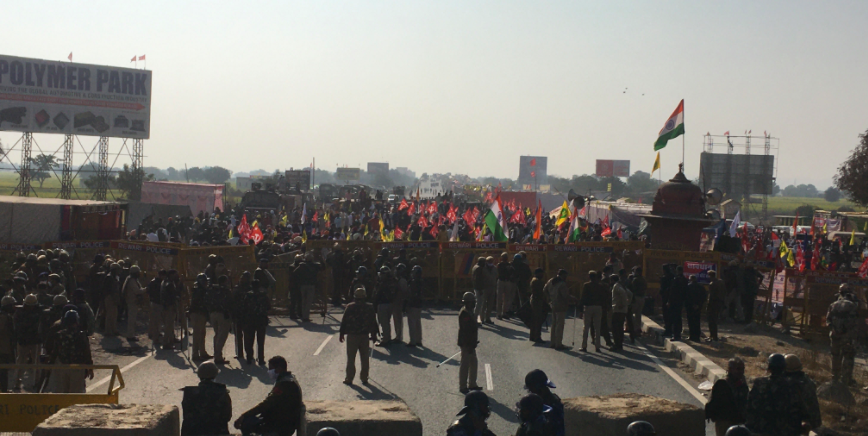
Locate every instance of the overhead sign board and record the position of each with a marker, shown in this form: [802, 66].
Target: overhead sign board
[381, 168]
[613, 168]
[533, 170]
[348, 174]
[42, 96]
[298, 179]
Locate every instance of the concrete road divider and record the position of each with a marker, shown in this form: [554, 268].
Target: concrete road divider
[361, 418]
[610, 415]
[112, 419]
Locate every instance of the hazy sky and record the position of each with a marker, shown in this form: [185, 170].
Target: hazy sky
[468, 86]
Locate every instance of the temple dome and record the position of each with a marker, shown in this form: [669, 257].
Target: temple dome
[679, 196]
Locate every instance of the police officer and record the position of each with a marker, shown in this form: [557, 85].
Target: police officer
[414, 307]
[774, 406]
[218, 300]
[538, 383]
[132, 291]
[207, 407]
[280, 412]
[473, 416]
[7, 339]
[155, 315]
[358, 325]
[477, 276]
[505, 286]
[468, 334]
[532, 417]
[254, 317]
[72, 348]
[842, 319]
[238, 293]
[199, 316]
[807, 389]
[641, 428]
[386, 290]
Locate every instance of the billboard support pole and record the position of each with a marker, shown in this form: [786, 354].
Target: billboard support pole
[24, 171]
[102, 170]
[138, 169]
[66, 172]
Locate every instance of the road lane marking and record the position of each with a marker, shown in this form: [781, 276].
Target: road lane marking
[488, 379]
[674, 375]
[324, 342]
[93, 387]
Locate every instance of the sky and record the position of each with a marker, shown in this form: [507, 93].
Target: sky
[469, 86]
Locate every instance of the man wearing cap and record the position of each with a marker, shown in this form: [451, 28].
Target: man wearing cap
[590, 308]
[266, 280]
[540, 305]
[241, 289]
[56, 285]
[207, 407]
[477, 276]
[468, 335]
[621, 298]
[199, 317]
[169, 300]
[489, 304]
[155, 314]
[559, 295]
[305, 276]
[281, 411]
[472, 416]
[335, 260]
[26, 321]
[358, 326]
[538, 383]
[386, 292]
[133, 294]
[218, 299]
[638, 286]
[111, 288]
[807, 389]
[693, 302]
[774, 406]
[72, 348]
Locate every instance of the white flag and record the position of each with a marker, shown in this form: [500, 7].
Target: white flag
[734, 226]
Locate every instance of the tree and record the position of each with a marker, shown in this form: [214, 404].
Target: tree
[42, 166]
[776, 190]
[641, 181]
[126, 180]
[805, 210]
[173, 174]
[195, 174]
[852, 177]
[832, 194]
[216, 175]
[800, 191]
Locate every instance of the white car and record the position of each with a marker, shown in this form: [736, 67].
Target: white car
[393, 198]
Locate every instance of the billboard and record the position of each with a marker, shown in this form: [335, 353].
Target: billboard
[348, 174]
[298, 179]
[613, 168]
[738, 175]
[42, 96]
[375, 168]
[533, 170]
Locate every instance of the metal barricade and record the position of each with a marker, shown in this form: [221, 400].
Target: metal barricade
[23, 412]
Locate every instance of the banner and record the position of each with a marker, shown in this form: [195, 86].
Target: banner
[42, 96]
[700, 270]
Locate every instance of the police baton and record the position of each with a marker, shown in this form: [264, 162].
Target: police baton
[453, 356]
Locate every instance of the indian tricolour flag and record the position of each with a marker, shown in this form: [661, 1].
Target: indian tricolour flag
[674, 127]
[496, 222]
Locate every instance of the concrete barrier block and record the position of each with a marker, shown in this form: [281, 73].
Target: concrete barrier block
[610, 415]
[361, 418]
[112, 419]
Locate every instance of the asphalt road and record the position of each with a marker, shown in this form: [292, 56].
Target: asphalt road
[318, 360]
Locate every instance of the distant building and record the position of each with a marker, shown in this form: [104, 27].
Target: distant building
[404, 171]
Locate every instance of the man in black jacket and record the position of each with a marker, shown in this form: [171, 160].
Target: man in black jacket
[675, 304]
[280, 412]
[695, 299]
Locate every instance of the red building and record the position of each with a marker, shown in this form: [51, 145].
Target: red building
[677, 216]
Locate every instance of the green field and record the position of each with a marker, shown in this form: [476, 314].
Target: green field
[51, 187]
[788, 205]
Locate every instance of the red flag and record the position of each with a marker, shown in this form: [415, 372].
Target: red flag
[517, 217]
[475, 214]
[536, 233]
[243, 230]
[423, 222]
[434, 231]
[800, 257]
[795, 224]
[412, 209]
[863, 270]
[815, 257]
[605, 222]
[468, 217]
[315, 216]
[70, 56]
[403, 204]
[399, 234]
[432, 208]
[451, 214]
[745, 241]
[488, 197]
[256, 235]
[533, 162]
[726, 133]
[607, 231]
[133, 59]
[142, 57]
[620, 235]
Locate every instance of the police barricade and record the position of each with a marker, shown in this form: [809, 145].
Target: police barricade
[81, 255]
[811, 293]
[693, 262]
[580, 258]
[456, 262]
[536, 255]
[321, 250]
[770, 295]
[425, 254]
[281, 267]
[22, 412]
[238, 258]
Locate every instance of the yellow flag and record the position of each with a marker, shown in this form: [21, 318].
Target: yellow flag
[381, 226]
[563, 215]
[784, 250]
[791, 259]
[656, 163]
[853, 237]
[283, 220]
[304, 236]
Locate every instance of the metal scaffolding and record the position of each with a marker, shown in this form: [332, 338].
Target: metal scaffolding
[66, 173]
[102, 170]
[24, 171]
[138, 168]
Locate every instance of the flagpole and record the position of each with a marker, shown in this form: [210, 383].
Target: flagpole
[683, 134]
